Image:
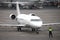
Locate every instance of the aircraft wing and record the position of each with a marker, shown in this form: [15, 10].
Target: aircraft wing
[13, 25]
[47, 24]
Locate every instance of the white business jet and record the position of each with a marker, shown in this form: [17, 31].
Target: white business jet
[31, 20]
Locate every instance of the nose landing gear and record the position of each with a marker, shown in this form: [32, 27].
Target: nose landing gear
[18, 28]
[33, 29]
[36, 30]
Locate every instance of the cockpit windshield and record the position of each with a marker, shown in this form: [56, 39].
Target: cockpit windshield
[35, 20]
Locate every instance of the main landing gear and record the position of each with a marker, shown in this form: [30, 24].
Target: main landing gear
[33, 29]
[36, 30]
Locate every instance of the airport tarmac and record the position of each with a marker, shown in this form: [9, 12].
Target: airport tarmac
[47, 16]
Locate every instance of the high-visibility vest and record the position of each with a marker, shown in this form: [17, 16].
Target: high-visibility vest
[50, 29]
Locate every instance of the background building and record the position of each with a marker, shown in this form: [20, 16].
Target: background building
[38, 2]
[27, 0]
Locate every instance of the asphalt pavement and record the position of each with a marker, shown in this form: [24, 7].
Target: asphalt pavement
[47, 16]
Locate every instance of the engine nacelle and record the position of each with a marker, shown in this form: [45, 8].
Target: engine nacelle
[12, 16]
[32, 14]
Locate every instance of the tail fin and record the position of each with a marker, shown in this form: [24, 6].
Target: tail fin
[17, 7]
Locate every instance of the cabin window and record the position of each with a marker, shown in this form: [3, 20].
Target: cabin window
[35, 20]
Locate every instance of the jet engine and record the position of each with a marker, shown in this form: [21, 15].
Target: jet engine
[12, 16]
[32, 14]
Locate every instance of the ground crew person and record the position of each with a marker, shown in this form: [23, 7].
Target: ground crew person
[50, 32]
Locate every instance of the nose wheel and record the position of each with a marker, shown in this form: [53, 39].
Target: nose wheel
[33, 29]
[18, 28]
[36, 30]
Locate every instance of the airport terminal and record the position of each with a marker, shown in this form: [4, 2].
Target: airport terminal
[29, 20]
[33, 3]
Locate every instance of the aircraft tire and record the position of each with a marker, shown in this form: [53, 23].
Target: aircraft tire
[19, 28]
[37, 32]
[33, 29]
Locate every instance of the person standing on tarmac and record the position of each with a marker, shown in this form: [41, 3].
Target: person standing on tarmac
[50, 32]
